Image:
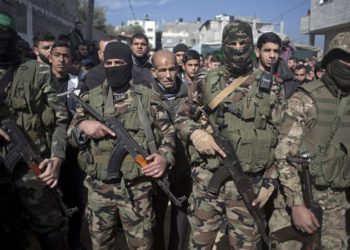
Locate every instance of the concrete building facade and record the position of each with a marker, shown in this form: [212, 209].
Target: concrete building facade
[211, 30]
[326, 17]
[34, 16]
[180, 32]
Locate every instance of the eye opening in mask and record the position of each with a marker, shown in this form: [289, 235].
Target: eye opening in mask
[240, 42]
[114, 63]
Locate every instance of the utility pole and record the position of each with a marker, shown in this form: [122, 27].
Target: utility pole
[90, 18]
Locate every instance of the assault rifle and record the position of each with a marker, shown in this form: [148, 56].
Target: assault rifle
[231, 168]
[313, 241]
[124, 145]
[20, 149]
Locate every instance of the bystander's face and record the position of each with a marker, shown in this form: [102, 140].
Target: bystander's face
[310, 75]
[300, 75]
[75, 67]
[320, 73]
[201, 61]
[291, 64]
[165, 69]
[179, 56]
[42, 51]
[60, 59]
[139, 47]
[101, 48]
[268, 55]
[191, 68]
[213, 65]
[83, 50]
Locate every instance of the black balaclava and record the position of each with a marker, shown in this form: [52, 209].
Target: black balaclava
[337, 76]
[8, 41]
[237, 62]
[118, 78]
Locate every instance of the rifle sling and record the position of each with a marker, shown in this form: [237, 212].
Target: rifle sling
[226, 91]
[146, 126]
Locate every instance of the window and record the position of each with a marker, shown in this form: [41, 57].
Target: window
[149, 30]
[324, 1]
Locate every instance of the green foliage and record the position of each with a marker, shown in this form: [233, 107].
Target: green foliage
[99, 20]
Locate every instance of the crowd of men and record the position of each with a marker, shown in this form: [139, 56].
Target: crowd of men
[258, 149]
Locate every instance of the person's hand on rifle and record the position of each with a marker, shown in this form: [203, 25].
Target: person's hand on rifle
[51, 171]
[4, 135]
[95, 129]
[155, 167]
[205, 143]
[304, 220]
[264, 194]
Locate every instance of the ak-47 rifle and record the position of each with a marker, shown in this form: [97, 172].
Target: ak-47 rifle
[19, 149]
[124, 145]
[313, 241]
[231, 168]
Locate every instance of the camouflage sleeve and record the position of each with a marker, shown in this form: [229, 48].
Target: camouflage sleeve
[75, 138]
[184, 124]
[298, 116]
[195, 91]
[59, 136]
[163, 122]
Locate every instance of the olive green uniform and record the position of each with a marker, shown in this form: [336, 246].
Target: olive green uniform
[32, 102]
[307, 127]
[246, 117]
[132, 196]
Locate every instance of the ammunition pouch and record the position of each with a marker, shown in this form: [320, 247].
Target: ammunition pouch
[333, 168]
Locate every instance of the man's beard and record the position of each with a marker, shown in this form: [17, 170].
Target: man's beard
[44, 58]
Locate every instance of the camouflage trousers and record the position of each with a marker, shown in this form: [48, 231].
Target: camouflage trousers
[207, 212]
[334, 206]
[41, 209]
[135, 209]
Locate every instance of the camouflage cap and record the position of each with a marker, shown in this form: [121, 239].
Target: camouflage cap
[6, 20]
[236, 30]
[338, 44]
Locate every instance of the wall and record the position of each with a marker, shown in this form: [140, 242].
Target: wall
[329, 15]
[34, 16]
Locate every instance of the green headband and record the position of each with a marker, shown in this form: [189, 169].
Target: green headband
[7, 21]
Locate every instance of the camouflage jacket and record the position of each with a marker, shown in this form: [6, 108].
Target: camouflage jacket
[126, 111]
[298, 117]
[32, 102]
[172, 104]
[204, 90]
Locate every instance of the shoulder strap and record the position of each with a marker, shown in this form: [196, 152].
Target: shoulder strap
[146, 124]
[226, 91]
[311, 86]
[30, 68]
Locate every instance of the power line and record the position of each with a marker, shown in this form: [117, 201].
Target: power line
[288, 11]
[132, 10]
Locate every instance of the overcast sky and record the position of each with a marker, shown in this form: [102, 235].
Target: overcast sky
[290, 11]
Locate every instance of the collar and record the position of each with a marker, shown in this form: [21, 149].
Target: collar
[141, 61]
